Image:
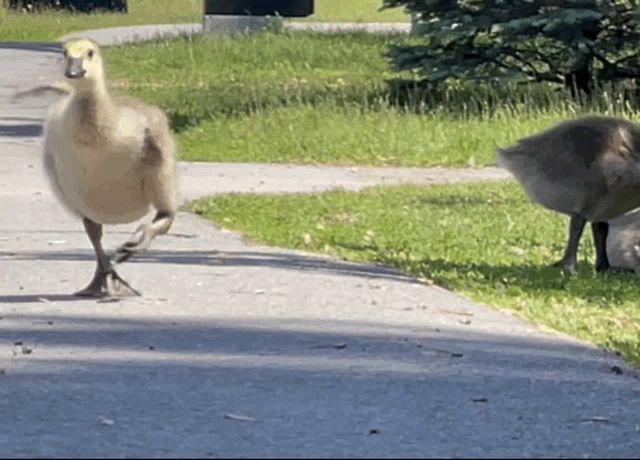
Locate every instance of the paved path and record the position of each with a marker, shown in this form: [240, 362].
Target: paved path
[240, 350]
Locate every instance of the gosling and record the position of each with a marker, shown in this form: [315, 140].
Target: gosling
[108, 159]
[587, 168]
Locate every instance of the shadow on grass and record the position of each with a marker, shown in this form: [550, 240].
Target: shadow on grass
[188, 107]
[486, 98]
[532, 280]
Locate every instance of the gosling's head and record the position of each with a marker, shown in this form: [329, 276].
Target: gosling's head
[82, 62]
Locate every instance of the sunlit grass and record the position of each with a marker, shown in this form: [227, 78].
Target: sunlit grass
[311, 98]
[49, 26]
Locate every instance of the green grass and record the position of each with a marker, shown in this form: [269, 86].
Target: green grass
[326, 134]
[486, 241]
[356, 11]
[49, 26]
[309, 98]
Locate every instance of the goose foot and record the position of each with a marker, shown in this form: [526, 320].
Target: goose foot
[138, 242]
[569, 269]
[108, 284]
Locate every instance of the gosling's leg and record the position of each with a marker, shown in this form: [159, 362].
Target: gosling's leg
[569, 261]
[106, 282]
[159, 182]
[600, 231]
[142, 237]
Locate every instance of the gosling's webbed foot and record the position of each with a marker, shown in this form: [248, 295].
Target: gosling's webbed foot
[601, 267]
[108, 284]
[568, 268]
[139, 241]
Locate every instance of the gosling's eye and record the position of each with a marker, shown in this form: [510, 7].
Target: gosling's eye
[64, 53]
[90, 54]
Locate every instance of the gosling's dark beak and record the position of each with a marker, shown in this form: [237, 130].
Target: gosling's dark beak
[74, 68]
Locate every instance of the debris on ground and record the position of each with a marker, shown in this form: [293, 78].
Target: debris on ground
[106, 421]
[238, 418]
[337, 346]
[19, 348]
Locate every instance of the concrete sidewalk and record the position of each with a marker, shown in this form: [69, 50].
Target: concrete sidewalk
[240, 350]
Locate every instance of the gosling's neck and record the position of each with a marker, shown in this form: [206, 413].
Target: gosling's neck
[94, 104]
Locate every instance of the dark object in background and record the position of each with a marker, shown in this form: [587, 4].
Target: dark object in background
[284, 8]
[82, 6]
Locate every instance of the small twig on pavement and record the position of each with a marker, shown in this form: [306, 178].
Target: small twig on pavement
[238, 418]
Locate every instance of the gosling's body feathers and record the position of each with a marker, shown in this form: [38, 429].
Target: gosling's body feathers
[588, 166]
[97, 154]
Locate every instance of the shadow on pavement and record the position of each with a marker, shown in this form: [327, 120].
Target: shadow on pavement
[49, 47]
[285, 261]
[20, 130]
[164, 386]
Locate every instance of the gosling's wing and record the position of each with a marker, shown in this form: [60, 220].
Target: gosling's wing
[59, 88]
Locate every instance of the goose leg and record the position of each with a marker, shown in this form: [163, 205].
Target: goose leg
[600, 231]
[106, 282]
[160, 186]
[142, 237]
[569, 261]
